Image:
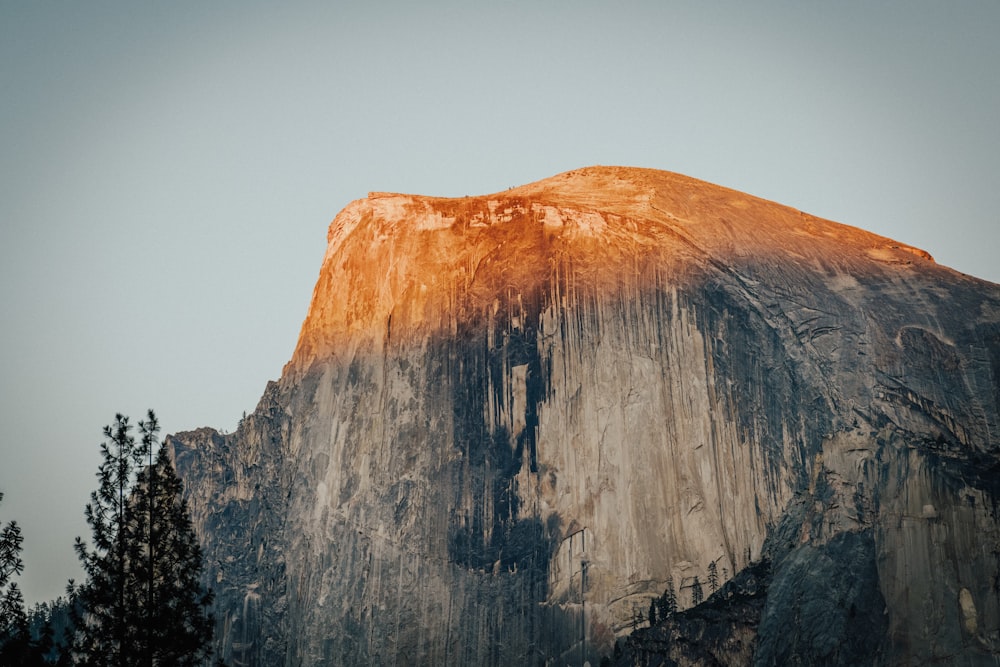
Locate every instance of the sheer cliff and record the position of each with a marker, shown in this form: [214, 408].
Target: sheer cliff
[512, 421]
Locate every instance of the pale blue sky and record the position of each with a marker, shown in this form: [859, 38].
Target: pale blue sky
[168, 171]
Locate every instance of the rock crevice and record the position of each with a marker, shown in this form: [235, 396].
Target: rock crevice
[512, 421]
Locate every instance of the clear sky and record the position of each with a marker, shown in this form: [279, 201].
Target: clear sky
[168, 170]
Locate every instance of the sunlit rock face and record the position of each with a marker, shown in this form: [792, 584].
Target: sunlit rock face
[511, 420]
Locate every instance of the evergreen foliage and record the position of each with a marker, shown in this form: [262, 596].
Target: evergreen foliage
[13, 622]
[713, 576]
[661, 607]
[142, 602]
[11, 603]
[668, 601]
[697, 595]
[652, 612]
[16, 644]
[51, 626]
[177, 625]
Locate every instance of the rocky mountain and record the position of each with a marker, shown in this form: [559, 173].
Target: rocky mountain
[512, 421]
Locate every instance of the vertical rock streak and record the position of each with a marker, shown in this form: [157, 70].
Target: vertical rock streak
[511, 422]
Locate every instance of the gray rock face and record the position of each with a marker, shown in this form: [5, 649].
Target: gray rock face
[511, 420]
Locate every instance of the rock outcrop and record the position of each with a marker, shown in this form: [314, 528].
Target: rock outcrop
[511, 421]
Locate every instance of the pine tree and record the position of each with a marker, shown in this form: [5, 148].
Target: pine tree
[177, 628]
[16, 644]
[697, 595]
[13, 621]
[713, 576]
[141, 603]
[661, 606]
[668, 601]
[652, 612]
[102, 628]
[11, 603]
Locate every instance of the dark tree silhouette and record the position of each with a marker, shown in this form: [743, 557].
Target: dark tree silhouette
[50, 627]
[16, 644]
[661, 606]
[652, 612]
[668, 601]
[168, 561]
[12, 616]
[141, 603]
[102, 628]
[713, 576]
[13, 622]
[697, 595]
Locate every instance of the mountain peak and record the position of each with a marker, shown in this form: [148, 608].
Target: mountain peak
[408, 257]
[515, 422]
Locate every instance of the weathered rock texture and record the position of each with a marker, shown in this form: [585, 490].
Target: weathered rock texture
[511, 419]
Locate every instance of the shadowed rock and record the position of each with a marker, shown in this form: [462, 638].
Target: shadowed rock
[511, 419]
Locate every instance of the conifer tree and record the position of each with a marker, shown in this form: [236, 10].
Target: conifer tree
[102, 628]
[668, 601]
[713, 576]
[13, 621]
[697, 595]
[17, 647]
[142, 603]
[177, 629]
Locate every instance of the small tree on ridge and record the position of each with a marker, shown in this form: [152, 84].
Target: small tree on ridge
[697, 595]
